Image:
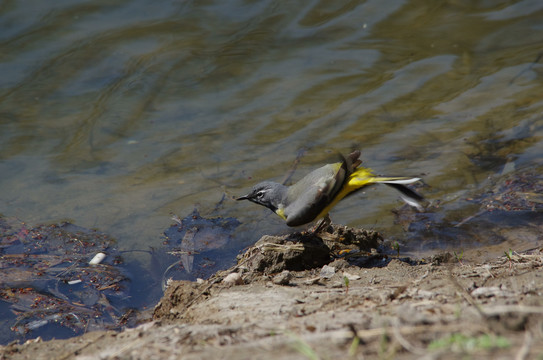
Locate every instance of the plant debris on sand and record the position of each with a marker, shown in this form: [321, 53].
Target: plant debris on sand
[333, 297]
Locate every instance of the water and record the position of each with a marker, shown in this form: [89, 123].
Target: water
[114, 114]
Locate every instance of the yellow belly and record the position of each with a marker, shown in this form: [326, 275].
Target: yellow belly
[359, 178]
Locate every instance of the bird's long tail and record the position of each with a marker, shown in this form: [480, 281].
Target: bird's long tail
[363, 177]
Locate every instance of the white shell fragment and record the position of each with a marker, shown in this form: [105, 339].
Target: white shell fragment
[97, 259]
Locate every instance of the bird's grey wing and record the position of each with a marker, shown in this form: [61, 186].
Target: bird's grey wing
[309, 196]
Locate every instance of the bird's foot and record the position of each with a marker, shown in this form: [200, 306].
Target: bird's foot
[321, 225]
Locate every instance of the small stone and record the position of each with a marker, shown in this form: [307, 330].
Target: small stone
[233, 279]
[312, 281]
[33, 341]
[487, 292]
[283, 278]
[351, 277]
[327, 272]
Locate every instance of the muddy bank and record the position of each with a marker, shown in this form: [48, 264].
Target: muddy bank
[286, 300]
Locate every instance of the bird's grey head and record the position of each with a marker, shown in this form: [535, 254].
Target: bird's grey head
[267, 193]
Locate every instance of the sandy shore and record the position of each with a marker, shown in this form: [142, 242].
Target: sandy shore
[363, 306]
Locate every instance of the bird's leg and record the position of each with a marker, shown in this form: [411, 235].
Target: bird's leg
[322, 225]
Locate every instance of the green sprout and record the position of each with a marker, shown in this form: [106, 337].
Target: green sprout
[303, 347]
[396, 247]
[459, 257]
[354, 347]
[509, 256]
[458, 342]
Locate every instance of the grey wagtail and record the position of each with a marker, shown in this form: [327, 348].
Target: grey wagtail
[319, 191]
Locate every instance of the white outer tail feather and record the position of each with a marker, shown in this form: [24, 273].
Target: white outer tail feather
[412, 202]
[408, 200]
[401, 181]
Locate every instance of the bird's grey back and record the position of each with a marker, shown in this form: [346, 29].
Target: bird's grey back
[307, 198]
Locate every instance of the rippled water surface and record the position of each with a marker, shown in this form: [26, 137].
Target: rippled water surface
[115, 114]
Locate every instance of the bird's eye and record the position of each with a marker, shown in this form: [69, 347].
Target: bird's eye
[260, 194]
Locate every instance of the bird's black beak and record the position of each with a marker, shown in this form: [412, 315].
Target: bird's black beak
[244, 197]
